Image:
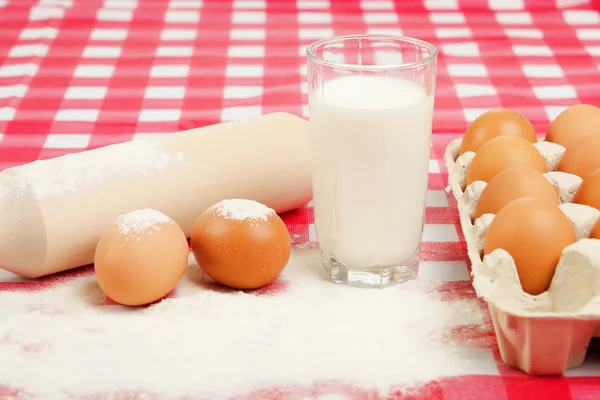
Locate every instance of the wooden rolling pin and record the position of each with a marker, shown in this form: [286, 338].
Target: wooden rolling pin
[53, 212]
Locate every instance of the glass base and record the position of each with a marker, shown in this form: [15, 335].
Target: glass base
[375, 277]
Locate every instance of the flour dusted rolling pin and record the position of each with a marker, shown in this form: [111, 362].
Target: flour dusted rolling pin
[52, 212]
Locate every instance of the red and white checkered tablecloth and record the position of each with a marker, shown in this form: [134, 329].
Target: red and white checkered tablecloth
[79, 74]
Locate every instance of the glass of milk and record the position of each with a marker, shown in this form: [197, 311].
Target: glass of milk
[371, 111]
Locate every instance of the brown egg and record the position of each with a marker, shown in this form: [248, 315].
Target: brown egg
[582, 156]
[502, 153]
[141, 257]
[241, 243]
[534, 232]
[572, 123]
[589, 191]
[511, 184]
[494, 123]
[595, 232]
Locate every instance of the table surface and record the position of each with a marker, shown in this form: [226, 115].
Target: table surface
[83, 74]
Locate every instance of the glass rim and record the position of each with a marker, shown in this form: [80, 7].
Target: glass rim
[310, 52]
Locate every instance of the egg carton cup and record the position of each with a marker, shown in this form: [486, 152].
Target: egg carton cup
[551, 332]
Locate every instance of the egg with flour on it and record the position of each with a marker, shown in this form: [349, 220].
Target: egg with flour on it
[241, 243]
[141, 257]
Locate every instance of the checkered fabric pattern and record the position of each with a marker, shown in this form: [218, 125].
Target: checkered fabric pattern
[77, 74]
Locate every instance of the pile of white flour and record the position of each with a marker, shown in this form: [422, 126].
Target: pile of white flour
[212, 342]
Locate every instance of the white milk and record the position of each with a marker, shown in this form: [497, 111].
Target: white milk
[370, 147]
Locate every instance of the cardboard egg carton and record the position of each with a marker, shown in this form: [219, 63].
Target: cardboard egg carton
[548, 333]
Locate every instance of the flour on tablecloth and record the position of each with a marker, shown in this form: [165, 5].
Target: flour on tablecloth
[212, 342]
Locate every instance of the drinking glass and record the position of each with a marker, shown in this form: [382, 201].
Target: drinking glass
[370, 111]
